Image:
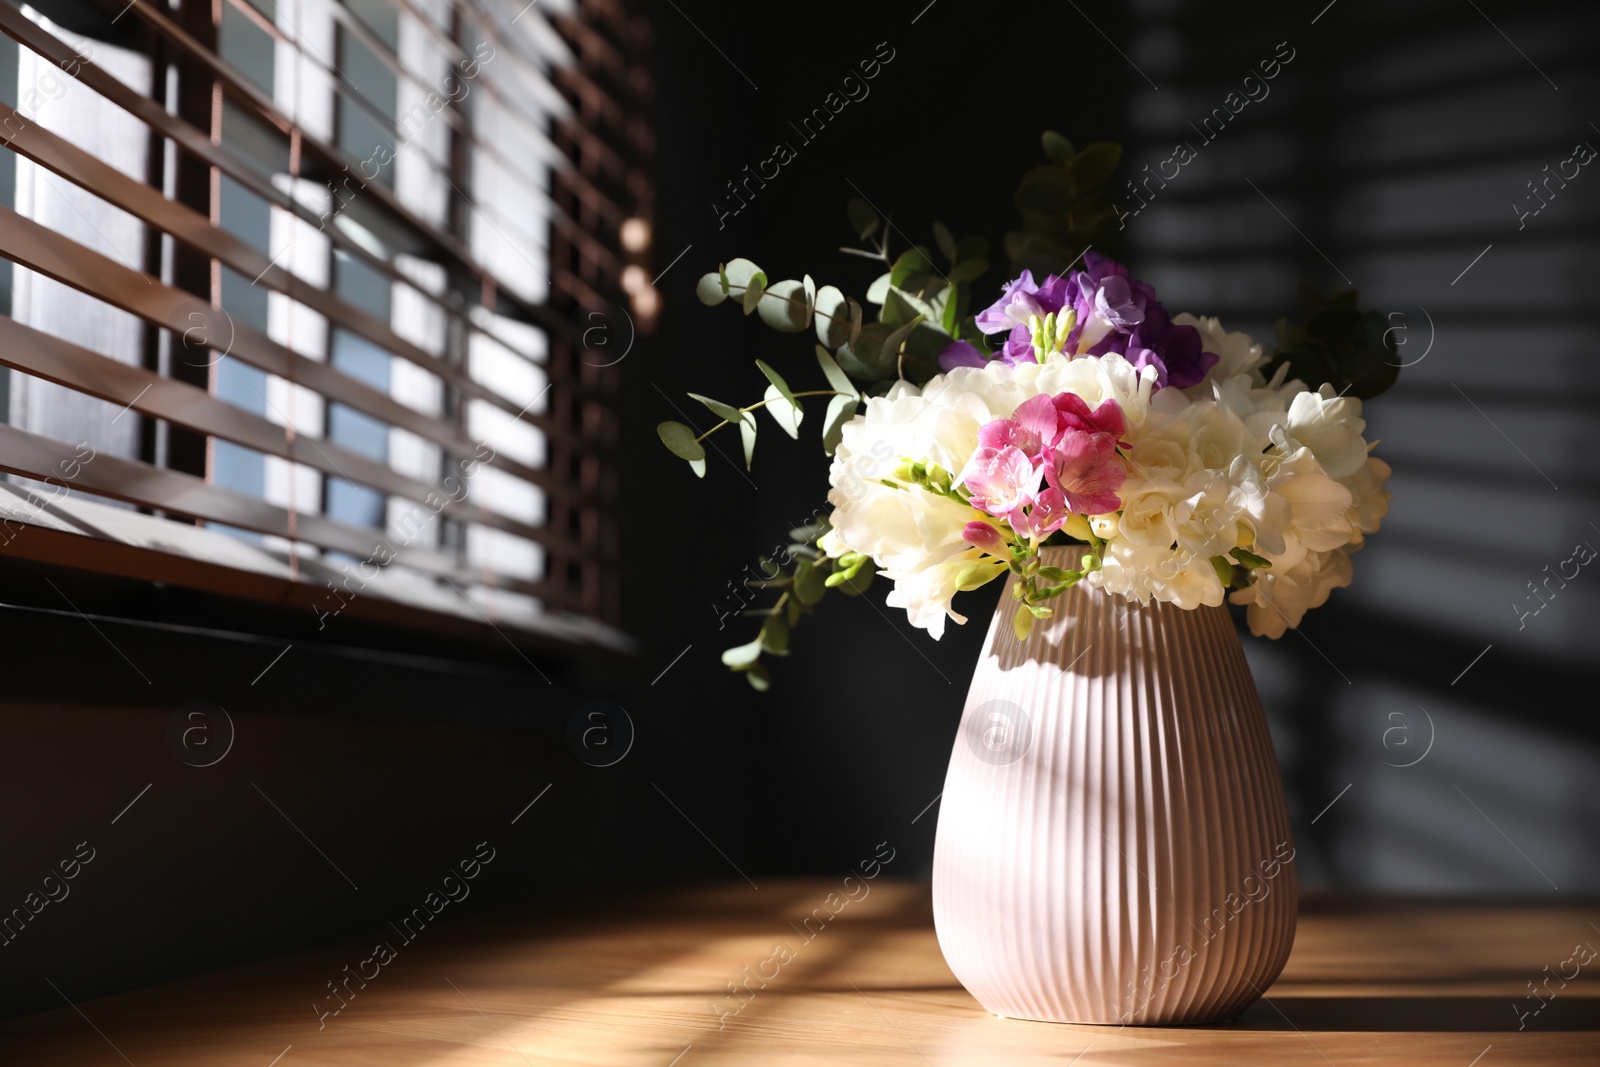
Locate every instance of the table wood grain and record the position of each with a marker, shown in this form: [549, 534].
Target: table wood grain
[642, 979]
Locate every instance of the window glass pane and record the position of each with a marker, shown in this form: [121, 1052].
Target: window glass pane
[366, 120]
[247, 46]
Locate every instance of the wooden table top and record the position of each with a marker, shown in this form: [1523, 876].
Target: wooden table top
[642, 980]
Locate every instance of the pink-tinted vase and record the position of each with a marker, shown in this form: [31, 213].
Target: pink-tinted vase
[1113, 842]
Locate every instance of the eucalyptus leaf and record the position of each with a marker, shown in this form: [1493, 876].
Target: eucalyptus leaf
[810, 531]
[743, 657]
[864, 218]
[967, 270]
[951, 313]
[1057, 149]
[945, 240]
[726, 412]
[680, 440]
[1094, 165]
[754, 289]
[759, 677]
[891, 345]
[912, 262]
[739, 272]
[878, 290]
[865, 359]
[747, 436]
[909, 306]
[774, 635]
[784, 411]
[698, 466]
[833, 317]
[786, 307]
[776, 379]
[808, 587]
[709, 289]
[837, 378]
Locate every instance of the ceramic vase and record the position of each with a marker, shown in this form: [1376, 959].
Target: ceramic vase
[1113, 842]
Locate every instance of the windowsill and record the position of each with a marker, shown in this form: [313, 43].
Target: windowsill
[97, 537]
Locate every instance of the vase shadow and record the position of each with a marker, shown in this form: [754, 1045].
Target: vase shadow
[1083, 615]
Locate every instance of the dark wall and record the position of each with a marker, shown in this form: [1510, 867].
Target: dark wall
[1391, 156]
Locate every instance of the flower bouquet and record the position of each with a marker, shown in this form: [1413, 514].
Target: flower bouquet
[1125, 470]
[1187, 463]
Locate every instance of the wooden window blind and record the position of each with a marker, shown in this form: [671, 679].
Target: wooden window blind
[299, 299]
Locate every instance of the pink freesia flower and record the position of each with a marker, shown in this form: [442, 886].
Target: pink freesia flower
[1058, 440]
[1034, 426]
[1072, 413]
[1000, 480]
[1085, 468]
[1047, 515]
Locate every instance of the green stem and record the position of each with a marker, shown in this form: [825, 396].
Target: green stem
[787, 300]
[764, 403]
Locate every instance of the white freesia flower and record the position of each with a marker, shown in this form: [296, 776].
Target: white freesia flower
[1331, 427]
[1154, 572]
[1280, 598]
[1318, 518]
[1370, 497]
[1239, 353]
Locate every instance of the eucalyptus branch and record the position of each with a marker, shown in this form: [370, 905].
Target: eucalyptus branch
[763, 403]
[768, 293]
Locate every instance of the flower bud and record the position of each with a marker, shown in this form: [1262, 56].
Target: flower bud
[1077, 526]
[983, 535]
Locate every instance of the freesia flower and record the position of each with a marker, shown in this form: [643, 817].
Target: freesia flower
[961, 354]
[1001, 480]
[1280, 598]
[1096, 311]
[1084, 469]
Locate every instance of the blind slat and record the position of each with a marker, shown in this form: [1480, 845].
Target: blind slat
[66, 364]
[32, 456]
[41, 249]
[193, 229]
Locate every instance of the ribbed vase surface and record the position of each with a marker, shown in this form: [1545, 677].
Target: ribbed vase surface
[1113, 843]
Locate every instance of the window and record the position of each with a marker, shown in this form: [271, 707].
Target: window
[291, 298]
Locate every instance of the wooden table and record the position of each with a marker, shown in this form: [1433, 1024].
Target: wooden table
[627, 980]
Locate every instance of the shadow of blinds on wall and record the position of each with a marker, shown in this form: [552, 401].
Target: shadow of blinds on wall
[290, 292]
[1413, 151]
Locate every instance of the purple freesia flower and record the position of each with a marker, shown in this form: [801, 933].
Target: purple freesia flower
[1115, 313]
[1021, 299]
[961, 354]
[1178, 356]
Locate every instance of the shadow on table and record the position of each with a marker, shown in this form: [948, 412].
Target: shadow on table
[1476, 1014]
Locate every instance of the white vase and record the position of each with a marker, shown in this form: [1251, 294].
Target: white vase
[1113, 843]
